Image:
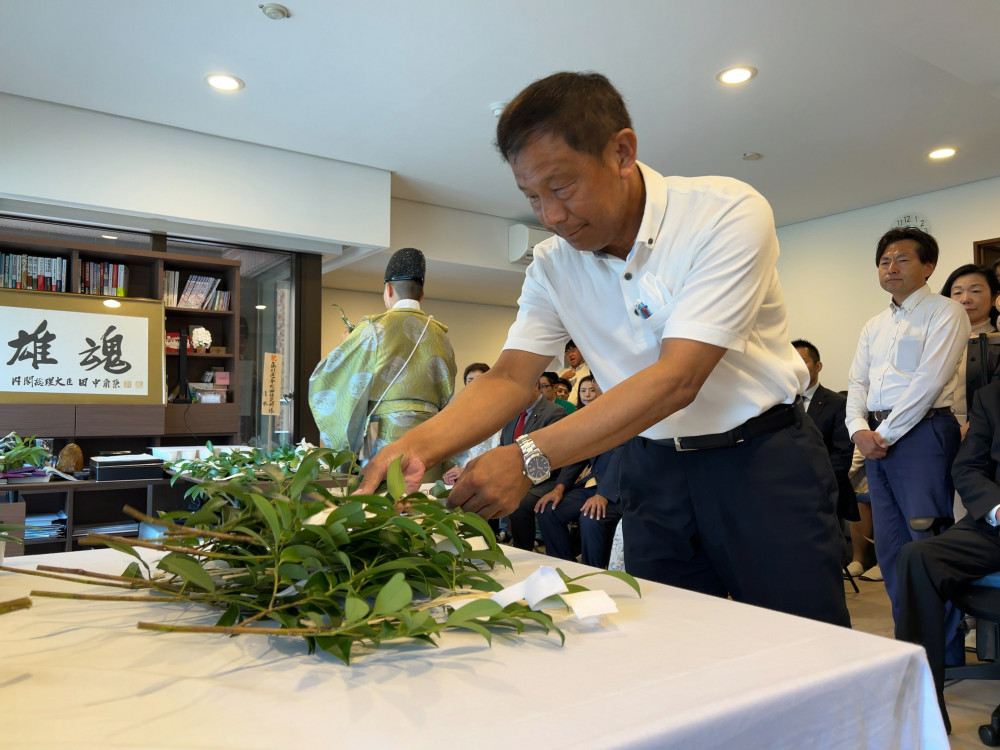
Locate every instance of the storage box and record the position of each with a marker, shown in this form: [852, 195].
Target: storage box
[116, 468]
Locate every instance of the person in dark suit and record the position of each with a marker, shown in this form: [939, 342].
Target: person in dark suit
[540, 413]
[588, 498]
[931, 571]
[827, 409]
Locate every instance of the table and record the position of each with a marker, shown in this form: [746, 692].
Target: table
[674, 669]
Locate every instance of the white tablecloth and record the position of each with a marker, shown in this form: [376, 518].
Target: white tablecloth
[673, 669]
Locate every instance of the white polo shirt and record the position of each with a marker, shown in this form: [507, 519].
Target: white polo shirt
[702, 268]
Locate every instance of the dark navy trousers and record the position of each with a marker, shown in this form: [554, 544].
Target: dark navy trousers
[756, 521]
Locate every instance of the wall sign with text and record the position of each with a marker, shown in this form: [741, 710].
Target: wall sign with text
[62, 348]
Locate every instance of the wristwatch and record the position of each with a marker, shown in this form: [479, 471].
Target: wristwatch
[536, 466]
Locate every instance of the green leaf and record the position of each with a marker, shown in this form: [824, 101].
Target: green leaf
[188, 569]
[128, 550]
[229, 617]
[394, 478]
[355, 609]
[475, 626]
[621, 575]
[408, 524]
[472, 610]
[393, 596]
[267, 510]
[132, 571]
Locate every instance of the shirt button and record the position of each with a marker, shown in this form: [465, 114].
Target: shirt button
[628, 276]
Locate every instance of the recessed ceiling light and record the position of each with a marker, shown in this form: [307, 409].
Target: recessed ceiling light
[260, 307]
[224, 82]
[751, 156]
[109, 236]
[942, 153]
[739, 74]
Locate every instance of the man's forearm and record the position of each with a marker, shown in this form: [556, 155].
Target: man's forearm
[632, 406]
[480, 410]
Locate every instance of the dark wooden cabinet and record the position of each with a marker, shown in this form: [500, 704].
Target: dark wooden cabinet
[83, 268]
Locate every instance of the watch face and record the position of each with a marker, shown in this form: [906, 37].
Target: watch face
[537, 468]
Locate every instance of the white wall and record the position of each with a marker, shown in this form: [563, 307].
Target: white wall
[477, 332]
[827, 265]
[62, 159]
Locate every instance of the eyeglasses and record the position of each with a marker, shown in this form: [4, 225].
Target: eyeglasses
[543, 386]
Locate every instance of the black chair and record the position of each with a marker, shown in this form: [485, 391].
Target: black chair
[982, 601]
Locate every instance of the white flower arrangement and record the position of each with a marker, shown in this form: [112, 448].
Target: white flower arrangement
[200, 337]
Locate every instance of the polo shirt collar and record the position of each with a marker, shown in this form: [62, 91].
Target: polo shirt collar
[652, 214]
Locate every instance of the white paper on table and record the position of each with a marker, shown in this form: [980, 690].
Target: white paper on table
[509, 595]
[542, 584]
[590, 604]
[536, 589]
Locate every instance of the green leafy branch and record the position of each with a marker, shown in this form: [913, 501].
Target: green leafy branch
[290, 556]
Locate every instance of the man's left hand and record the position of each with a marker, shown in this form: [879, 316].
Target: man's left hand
[493, 484]
[596, 507]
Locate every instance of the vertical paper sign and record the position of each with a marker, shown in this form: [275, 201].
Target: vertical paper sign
[271, 385]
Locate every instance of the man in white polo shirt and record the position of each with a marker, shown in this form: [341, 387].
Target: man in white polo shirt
[669, 285]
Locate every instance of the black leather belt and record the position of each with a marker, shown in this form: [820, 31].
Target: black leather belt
[883, 414]
[774, 419]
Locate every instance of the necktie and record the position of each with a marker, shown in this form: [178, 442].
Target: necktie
[519, 427]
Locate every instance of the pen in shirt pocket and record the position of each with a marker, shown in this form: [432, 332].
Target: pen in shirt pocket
[641, 308]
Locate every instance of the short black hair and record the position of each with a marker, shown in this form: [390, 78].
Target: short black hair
[563, 381]
[570, 345]
[927, 246]
[986, 273]
[481, 366]
[550, 376]
[583, 109]
[407, 288]
[813, 351]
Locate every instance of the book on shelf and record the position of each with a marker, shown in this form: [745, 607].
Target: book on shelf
[23, 271]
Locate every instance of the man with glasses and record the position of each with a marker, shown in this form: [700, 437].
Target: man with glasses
[577, 370]
[547, 385]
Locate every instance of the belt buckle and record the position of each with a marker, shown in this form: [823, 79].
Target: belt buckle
[680, 448]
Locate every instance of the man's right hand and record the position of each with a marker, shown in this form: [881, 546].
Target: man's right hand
[870, 443]
[376, 469]
[553, 498]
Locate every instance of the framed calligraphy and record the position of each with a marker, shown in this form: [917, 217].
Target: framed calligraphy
[68, 348]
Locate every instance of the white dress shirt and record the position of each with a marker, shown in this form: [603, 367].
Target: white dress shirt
[702, 268]
[907, 361]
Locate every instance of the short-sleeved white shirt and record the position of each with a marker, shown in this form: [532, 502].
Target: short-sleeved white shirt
[704, 266]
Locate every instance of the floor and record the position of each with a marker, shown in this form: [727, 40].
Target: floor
[970, 702]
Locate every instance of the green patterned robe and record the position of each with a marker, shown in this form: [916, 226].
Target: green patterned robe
[345, 386]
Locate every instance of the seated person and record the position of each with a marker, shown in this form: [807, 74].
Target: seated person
[546, 384]
[540, 413]
[451, 476]
[562, 388]
[587, 390]
[933, 570]
[590, 499]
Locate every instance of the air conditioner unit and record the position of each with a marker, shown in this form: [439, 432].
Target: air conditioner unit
[521, 241]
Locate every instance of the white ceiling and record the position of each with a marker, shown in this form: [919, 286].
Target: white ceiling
[851, 94]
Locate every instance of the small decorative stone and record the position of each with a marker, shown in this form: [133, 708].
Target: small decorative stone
[70, 459]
